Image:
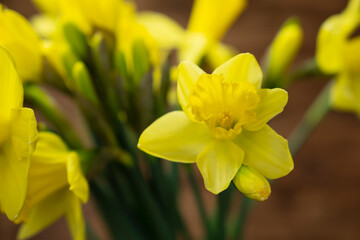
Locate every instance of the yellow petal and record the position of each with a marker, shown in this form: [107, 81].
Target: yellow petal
[218, 54]
[266, 152]
[333, 35]
[218, 164]
[15, 162]
[213, 17]
[53, 168]
[47, 170]
[11, 93]
[103, 14]
[174, 137]
[352, 57]
[43, 25]
[193, 47]
[271, 104]
[76, 179]
[345, 93]
[75, 219]
[188, 74]
[242, 67]
[50, 8]
[166, 32]
[45, 213]
[252, 184]
[20, 39]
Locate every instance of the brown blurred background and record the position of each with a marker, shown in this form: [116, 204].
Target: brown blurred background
[320, 199]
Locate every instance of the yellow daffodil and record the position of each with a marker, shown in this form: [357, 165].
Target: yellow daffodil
[60, 12]
[339, 54]
[20, 39]
[223, 124]
[18, 138]
[133, 40]
[283, 50]
[204, 32]
[102, 14]
[84, 13]
[57, 188]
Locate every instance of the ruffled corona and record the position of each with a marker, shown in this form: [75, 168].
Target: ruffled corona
[224, 106]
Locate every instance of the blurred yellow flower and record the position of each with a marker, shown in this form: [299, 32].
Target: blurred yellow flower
[204, 32]
[85, 14]
[18, 138]
[57, 188]
[133, 40]
[61, 12]
[223, 124]
[339, 54]
[24, 45]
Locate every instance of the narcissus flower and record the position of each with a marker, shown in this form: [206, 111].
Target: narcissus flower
[57, 188]
[203, 34]
[24, 45]
[136, 47]
[18, 138]
[223, 124]
[339, 54]
[83, 13]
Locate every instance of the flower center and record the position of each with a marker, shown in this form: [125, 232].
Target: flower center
[224, 106]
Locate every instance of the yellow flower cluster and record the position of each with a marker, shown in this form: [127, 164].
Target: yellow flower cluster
[41, 180]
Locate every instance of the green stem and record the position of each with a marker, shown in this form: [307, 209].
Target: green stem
[168, 190]
[313, 116]
[199, 201]
[224, 200]
[150, 207]
[241, 220]
[308, 68]
[110, 208]
[44, 102]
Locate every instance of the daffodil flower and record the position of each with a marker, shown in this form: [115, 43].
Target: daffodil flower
[223, 125]
[84, 13]
[18, 138]
[57, 188]
[133, 38]
[208, 23]
[339, 54]
[24, 45]
[57, 13]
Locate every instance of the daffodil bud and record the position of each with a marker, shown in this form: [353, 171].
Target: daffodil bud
[252, 184]
[282, 51]
[68, 60]
[76, 40]
[83, 82]
[141, 59]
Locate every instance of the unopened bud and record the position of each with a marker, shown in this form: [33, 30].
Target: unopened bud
[252, 184]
